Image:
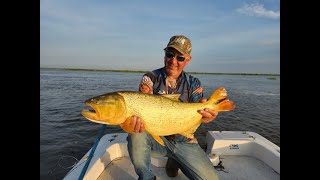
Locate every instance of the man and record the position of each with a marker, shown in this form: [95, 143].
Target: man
[182, 152]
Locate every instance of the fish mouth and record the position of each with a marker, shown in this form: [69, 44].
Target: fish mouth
[90, 112]
[92, 115]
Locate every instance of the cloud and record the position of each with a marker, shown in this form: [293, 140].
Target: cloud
[258, 10]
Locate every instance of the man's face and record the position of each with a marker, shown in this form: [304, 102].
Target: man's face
[173, 67]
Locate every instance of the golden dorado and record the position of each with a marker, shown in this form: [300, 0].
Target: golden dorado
[162, 115]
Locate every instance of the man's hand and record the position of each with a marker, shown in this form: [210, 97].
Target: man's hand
[208, 115]
[133, 125]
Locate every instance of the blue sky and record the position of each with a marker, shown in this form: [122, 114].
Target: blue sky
[233, 36]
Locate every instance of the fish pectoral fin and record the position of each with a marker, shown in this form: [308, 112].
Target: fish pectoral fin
[157, 138]
[126, 126]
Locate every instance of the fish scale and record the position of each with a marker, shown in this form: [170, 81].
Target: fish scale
[161, 115]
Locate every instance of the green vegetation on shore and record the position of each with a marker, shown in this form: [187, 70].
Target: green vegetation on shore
[140, 71]
[272, 78]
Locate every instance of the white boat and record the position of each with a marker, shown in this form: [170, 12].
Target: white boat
[235, 155]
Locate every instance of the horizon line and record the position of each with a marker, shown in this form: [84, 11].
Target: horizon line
[144, 71]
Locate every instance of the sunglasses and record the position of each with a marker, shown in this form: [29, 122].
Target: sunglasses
[172, 55]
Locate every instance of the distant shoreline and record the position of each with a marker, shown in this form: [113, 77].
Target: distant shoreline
[141, 71]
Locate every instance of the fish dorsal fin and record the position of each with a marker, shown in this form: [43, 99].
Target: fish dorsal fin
[174, 97]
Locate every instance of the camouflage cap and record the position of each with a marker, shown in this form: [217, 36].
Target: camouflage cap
[180, 43]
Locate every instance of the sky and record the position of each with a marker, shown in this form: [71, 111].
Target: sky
[233, 36]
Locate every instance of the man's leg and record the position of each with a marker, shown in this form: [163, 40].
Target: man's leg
[172, 167]
[193, 161]
[140, 147]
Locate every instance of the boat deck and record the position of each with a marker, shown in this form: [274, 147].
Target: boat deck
[250, 169]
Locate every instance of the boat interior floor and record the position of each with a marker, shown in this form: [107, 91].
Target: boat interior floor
[228, 169]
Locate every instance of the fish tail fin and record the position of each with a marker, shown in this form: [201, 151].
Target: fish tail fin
[218, 95]
[225, 105]
[219, 98]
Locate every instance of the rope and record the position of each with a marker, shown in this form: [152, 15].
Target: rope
[62, 157]
[92, 152]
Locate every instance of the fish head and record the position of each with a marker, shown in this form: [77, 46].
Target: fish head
[108, 108]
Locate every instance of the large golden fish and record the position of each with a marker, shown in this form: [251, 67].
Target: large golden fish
[161, 115]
